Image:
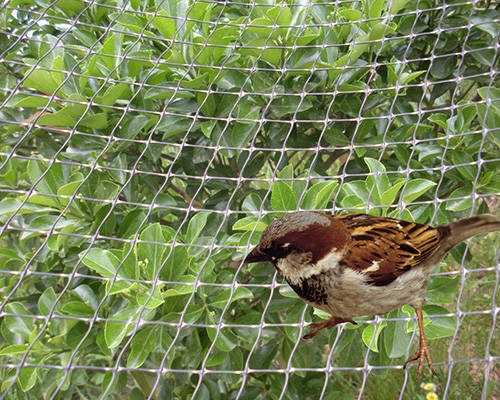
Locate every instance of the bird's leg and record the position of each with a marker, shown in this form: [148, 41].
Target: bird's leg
[423, 351]
[329, 323]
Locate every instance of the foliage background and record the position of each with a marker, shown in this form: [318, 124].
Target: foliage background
[146, 144]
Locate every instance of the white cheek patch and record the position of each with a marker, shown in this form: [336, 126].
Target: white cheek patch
[295, 273]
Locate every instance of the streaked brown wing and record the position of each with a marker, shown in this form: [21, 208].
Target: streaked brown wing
[385, 248]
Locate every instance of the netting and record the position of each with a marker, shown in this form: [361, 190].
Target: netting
[145, 145]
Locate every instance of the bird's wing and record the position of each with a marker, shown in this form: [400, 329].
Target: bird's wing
[385, 248]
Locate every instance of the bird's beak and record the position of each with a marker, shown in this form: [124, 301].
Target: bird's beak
[257, 255]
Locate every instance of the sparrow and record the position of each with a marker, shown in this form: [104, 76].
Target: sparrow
[356, 265]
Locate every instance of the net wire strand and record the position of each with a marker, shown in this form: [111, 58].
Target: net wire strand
[192, 207]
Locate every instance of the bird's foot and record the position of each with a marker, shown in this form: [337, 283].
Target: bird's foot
[423, 351]
[329, 323]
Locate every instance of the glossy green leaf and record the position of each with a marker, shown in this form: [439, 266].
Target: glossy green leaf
[104, 262]
[181, 289]
[249, 224]
[378, 183]
[27, 377]
[319, 195]
[153, 249]
[95, 121]
[142, 345]
[47, 301]
[396, 338]
[416, 188]
[282, 197]
[371, 334]
[442, 290]
[115, 332]
[389, 196]
[195, 226]
[14, 349]
[19, 325]
[175, 265]
[147, 299]
[440, 327]
[226, 297]
[41, 80]
[165, 24]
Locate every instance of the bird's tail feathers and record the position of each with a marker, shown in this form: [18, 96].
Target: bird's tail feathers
[480, 224]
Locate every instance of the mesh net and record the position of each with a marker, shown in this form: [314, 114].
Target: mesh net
[147, 144]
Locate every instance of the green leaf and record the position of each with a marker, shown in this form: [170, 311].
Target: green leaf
[371, 334]
[153, 249]
[282, 197]
[440, 327]
[486, 24]
[264, 355]
[398, 5]
[195, 226]
[380, 31]
[374, 8]
[14, 349]
[224, 339]
[43, 225]
[133, 126]
[146, 299]
[130, 21]
[176, 265]
[131, 223]
[319, 195]
[181, 289]
[165, 24]
[112, 94]
[351, 14]
[442, 290]
[396, 338]
[78, 309]
[51, 177]
[249, 224]
[377, 184]
[76, 107]
[282, 106]
[389, 196]
[27, 377]
[114, 332]
[492, 95]
[41, 80]
[464, 197]
[10, 206]
[67, 192]
[439, 119]
[442, 67]
[55, 119]
[19, 327]
[353, 202]
[95, 121]
[30, 101]
[222, 299]
[46, 301]
[356, 188]
[416, 188]
[242, 133]
[104, 262]
[142, 345]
